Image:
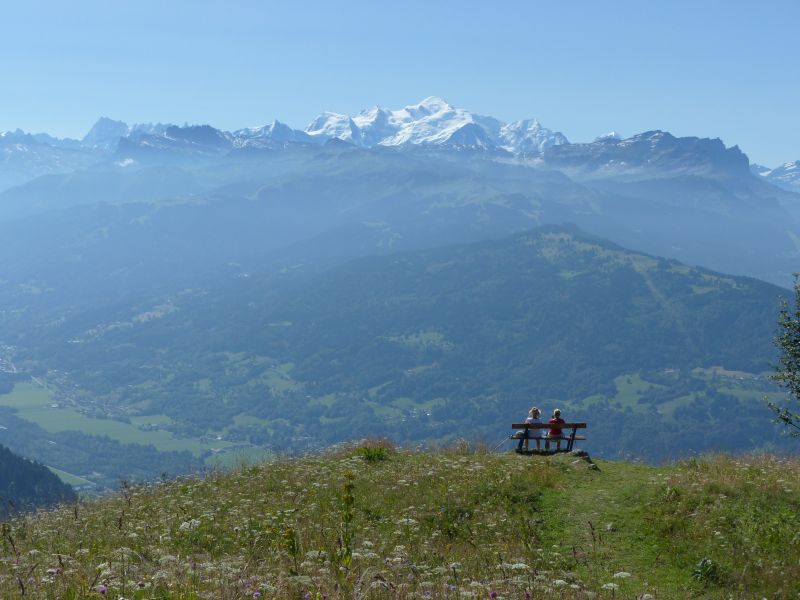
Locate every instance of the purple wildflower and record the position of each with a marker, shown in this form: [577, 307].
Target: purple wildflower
[493, 594]
[102, 589]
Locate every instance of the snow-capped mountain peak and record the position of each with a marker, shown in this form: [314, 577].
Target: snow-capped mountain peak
[254, 137]
[611, 136]
[329, 125]
[433, 121]
[786, 176]
[429, 106]
[528, 136]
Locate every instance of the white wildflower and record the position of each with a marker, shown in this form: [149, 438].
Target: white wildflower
[609, 586]
[189, 525]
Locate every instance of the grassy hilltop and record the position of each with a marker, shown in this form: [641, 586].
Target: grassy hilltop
[373, 522]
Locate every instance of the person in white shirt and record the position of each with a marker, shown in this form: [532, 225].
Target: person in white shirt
[534, 416]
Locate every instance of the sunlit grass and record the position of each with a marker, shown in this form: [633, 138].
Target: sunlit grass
[371, 521]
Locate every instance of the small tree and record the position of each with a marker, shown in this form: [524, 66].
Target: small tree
[787, 373]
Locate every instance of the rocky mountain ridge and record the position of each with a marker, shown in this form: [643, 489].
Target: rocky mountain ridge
[433, 122]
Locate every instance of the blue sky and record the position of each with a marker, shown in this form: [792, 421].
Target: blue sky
[710, 68]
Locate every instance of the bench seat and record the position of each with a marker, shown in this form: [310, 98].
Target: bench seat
[569, 432]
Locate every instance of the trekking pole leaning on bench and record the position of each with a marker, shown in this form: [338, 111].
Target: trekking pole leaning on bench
[503, 441]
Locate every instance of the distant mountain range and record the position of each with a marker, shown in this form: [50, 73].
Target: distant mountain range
[687, 198]
[432, 121]
[265, 285]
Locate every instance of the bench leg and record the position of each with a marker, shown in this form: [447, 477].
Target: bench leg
[571, 440]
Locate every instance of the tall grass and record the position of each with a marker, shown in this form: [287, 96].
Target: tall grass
[376, 522]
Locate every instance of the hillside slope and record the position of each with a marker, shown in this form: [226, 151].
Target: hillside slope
[435, 343]
[371, 522]
[25, 485]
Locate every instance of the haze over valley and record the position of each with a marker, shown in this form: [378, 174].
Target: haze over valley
[175, 297]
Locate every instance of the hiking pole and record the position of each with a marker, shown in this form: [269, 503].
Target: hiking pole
[503, 441]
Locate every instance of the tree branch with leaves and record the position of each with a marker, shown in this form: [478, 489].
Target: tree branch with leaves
[787, 372]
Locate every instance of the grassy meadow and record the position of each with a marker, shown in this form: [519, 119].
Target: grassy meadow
[369, 521]
[36, 404]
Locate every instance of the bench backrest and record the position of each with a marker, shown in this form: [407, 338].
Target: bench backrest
[548, 426]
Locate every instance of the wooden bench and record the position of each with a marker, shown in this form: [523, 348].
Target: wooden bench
[568, 437]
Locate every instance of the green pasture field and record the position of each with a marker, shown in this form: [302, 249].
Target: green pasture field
[71, 479]
[35, 403]
[630, 389]
[670, 407]
[631, 386]
[251, 420]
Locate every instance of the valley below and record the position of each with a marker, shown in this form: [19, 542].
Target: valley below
[187, 298]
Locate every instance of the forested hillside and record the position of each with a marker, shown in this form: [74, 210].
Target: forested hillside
[197, 295]
[25, 484]
[437, 344]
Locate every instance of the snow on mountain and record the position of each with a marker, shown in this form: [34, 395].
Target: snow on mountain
[790, 169]
[257, 137]
[648, 151]
[330, 125]
[140, 129]
[611, 136]
[24, 156]
[522, 137]
[19, 136]
[786, 176]
[433, 121]
[375, 124]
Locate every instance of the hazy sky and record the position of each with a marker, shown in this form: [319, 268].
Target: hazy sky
[710, 68]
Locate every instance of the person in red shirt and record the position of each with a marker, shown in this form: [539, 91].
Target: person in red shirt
[555, 432]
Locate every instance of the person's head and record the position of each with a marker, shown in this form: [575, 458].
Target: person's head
[556, 413]
[534, 413]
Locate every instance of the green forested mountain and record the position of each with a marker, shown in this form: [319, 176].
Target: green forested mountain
[25, 484]
[661, 358]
